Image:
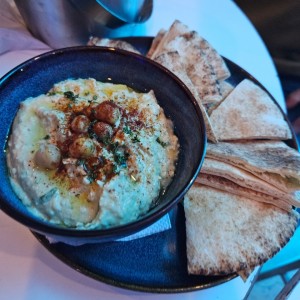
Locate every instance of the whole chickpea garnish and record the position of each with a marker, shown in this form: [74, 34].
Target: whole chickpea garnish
[48, 156]
[107, 112]
[80, 124]
[82, 147]
[103, 130]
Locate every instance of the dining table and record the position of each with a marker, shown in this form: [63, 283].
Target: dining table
[28, 269]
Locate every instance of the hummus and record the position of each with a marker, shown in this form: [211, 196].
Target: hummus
[90, 154]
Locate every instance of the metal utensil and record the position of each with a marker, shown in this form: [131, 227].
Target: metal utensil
[63, 23]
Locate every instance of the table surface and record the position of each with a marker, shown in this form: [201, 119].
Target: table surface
[28, 270]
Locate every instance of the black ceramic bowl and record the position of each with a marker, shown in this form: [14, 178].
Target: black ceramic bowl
[36, 76]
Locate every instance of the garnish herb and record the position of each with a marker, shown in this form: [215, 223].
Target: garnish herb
[127, 130]
[163, 144]
[70, 95]
[134, 138]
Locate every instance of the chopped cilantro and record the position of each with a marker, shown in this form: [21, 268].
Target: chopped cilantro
[70, 95]
[127, 130]
[115, 169]
[121, 159]
[135, 139]
[92, 175]
[163, 144]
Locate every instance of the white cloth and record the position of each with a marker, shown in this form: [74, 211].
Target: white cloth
[161, 225]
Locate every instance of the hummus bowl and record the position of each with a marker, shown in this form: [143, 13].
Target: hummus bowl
[107, 67]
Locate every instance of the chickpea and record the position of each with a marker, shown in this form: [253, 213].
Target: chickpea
[103, 130]
[48, 156]
[107, 112]
[89, 111]
[82, 148]
[80, 124]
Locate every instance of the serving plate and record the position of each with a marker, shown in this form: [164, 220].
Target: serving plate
[156, 263]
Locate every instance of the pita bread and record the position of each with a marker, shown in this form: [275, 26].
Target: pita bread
[197, 66]
[177, 29]
[248, 112]
[245, 179]
[226, 185]
[216, 60]
[272, 161]
[119, 44]
[228, 233]
[155, 43]
[209, 67]
[172, 61]
[225, 88]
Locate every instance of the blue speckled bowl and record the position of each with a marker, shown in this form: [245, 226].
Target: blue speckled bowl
[36, 76]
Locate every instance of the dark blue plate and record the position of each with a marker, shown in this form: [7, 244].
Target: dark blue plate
[155, 263]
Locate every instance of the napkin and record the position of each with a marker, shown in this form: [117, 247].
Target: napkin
[162, 224]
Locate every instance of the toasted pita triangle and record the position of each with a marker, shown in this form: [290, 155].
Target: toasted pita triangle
[248, 112]
[204, 66]
[227, 233]
[172, 61]
[226, 185]
[272, 161]
[198, 68]
[245, 179]
[178, 29]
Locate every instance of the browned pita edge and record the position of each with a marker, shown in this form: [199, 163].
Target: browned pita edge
[227, 233]
[105, 42]
[226, 185]
[246, 179]
[248, 112]
[172, 61]
[244, 274]
[155, 43]
[272, 161]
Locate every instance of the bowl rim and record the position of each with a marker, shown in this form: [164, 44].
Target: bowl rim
[127, 228]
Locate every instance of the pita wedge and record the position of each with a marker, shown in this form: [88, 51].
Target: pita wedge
[155, 43]
[244, 179]
[227, 233]
[204, 66]
[226, 185]
[248, 112]
[95, 41]
[272, 161]
[197, 66]
[172, 61]
[161, 43]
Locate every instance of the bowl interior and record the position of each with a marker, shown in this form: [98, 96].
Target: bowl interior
[38, 75]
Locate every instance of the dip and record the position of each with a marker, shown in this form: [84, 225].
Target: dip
[90, 154]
